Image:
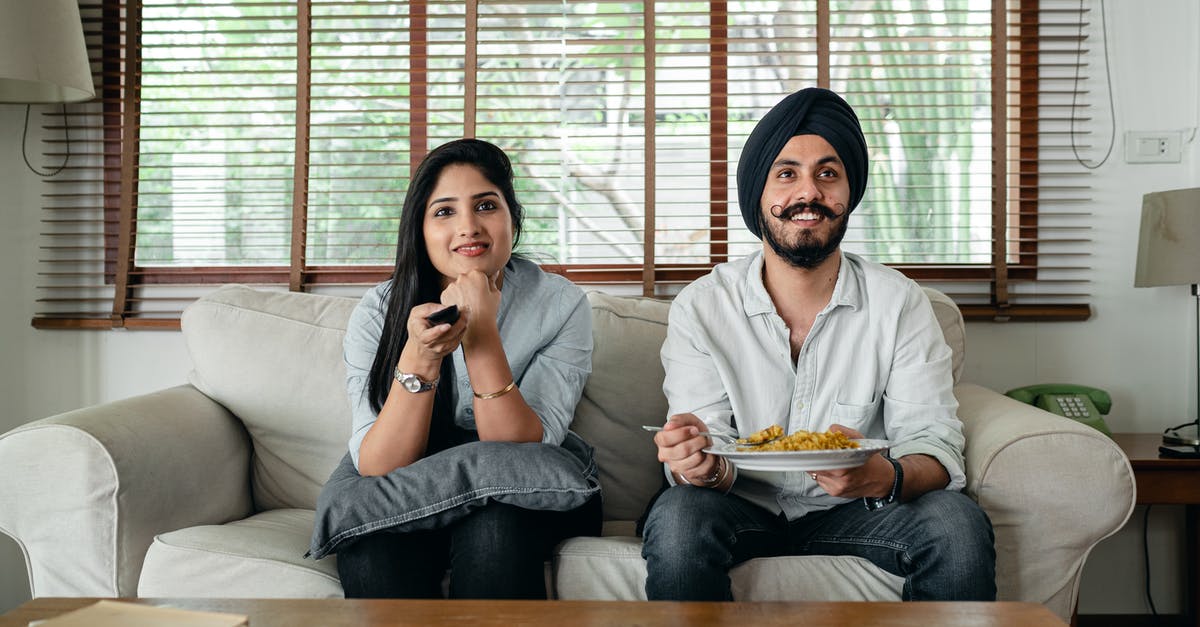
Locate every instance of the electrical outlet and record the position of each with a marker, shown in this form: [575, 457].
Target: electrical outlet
[1152, 147]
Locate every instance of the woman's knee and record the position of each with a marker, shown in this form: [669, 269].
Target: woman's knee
[493, 526]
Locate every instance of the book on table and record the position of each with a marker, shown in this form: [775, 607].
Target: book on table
[114, 613]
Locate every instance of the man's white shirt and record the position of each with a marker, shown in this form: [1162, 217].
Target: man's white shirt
[875, 360]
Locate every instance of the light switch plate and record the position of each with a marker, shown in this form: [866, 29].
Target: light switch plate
[1152, 147]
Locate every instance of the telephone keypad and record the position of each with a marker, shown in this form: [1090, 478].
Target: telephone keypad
[1072, 406]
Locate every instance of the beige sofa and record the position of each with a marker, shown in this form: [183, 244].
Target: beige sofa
[208, 489]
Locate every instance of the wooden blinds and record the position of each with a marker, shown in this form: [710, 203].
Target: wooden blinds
[271, 141]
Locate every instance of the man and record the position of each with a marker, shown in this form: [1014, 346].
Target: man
[810, 337]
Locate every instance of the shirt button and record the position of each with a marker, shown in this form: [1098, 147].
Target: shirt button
[468, 411]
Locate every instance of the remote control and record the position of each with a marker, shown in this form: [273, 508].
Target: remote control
[449, 315]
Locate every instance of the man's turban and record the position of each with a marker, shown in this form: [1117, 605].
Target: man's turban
[812, 111]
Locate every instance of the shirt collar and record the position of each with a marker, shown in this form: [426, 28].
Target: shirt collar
[513, 283]
[848, 291]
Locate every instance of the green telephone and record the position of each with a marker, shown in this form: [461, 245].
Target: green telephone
[1077, 402]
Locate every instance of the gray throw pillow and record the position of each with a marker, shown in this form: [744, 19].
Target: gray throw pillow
[447, 485]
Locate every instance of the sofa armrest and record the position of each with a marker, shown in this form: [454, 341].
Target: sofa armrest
[85, 492]
[1052, 487]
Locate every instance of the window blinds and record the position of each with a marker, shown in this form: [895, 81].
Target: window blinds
[270, 141]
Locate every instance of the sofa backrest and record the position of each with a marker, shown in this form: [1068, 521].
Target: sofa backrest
[274, 359]
[624, 392]
[953, 328]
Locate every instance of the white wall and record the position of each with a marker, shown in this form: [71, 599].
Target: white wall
[1138, 345]
[47, 372]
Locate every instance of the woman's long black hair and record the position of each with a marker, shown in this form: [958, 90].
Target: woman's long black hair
[416, 281]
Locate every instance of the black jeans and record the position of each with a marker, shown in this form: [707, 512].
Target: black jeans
[496, 552]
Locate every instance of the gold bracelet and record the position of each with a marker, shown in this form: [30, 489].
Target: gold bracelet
[508, 388]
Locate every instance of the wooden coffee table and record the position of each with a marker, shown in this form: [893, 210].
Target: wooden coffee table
[379, 613]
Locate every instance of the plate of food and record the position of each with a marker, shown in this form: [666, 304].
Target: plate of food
[800, 451]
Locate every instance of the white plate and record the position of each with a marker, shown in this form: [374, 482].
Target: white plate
[800, 460]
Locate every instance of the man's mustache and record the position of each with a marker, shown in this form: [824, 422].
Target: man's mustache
[804, 207]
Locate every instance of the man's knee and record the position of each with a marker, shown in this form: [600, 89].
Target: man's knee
[687, 505]
[682, 516]
[953, 519]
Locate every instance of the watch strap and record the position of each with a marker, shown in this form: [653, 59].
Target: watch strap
[873, 503]
[425, 385]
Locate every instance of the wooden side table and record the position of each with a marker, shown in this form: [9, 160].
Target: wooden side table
[1168, 481]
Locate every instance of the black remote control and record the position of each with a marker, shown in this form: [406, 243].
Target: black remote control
[449, 315]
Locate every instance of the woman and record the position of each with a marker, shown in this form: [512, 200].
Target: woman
[511, 368]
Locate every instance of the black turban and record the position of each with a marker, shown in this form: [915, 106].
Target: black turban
[812, 111]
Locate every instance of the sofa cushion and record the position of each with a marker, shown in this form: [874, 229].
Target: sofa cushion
[624, 392]
[439, 489]
[261, 556]
[612, 568]
[274, 360]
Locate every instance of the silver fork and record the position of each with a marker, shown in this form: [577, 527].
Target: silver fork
[720, 436]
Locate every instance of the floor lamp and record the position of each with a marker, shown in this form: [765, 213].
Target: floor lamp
[1169, 254]
[43, 57]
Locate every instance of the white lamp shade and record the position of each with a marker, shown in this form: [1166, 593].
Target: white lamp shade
[43, 57]
[1169, 239]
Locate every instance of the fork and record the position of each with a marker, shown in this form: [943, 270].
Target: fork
[720, 436]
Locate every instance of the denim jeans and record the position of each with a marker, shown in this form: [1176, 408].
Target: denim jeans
[495, 552]
[941, 543]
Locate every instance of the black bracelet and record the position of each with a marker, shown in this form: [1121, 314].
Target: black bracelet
[873, 503]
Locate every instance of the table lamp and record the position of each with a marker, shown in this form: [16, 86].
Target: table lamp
[1169, 254]
[43, 58]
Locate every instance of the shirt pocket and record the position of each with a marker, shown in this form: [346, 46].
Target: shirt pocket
[856, 416]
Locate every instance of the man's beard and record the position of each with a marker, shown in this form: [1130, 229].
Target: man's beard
[807, 252]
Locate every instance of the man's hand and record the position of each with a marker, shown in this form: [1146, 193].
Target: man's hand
[874, 478]
[681, 447]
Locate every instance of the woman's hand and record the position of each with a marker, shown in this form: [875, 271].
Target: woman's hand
[428, 344]
[477, 294]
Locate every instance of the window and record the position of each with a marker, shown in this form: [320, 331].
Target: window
[270, 141]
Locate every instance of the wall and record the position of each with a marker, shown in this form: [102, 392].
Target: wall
[1138, 345]
[47, 372]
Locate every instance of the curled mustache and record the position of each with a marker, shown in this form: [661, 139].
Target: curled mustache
[801, 207]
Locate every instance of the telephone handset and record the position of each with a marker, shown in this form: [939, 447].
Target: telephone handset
[1077, 402]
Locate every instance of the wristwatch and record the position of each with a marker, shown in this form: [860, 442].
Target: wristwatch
[873, 503]
[413, 383]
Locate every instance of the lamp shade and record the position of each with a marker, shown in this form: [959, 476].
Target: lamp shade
[1169, 239]
[43, 57]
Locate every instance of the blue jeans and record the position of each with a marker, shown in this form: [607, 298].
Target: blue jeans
[941, 543]
[495, 552]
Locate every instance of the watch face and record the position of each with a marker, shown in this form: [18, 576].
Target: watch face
[411, 383]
